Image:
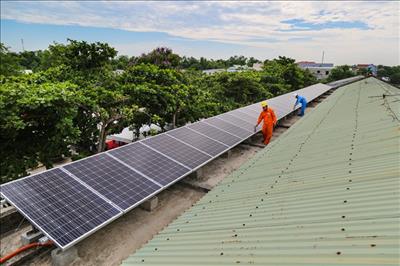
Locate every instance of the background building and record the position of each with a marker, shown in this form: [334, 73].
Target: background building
[319, 70]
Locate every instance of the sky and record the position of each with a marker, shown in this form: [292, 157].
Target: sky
[348, 32]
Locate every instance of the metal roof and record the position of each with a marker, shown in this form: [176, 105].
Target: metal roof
[326, 192]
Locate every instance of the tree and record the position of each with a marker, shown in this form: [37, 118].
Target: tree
[111, 109]
[251, 61]
[162, 57]
[166, 94]
[30, 59]
[340, 72]
[8, 62]
[393, 73]
[233, 90]
[121, 62]
[36, 125]
[282, 75]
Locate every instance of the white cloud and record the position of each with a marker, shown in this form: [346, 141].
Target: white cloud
[256, 25]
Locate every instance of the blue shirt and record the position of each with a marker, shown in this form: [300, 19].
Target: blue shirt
[301, 99]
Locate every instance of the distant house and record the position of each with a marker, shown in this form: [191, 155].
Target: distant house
[234, 68]
[213, 71]
[26, 71]
[257, 66]
[119, 71]
[307, 64]
[373, 69]
[319, 70]
[238, 68]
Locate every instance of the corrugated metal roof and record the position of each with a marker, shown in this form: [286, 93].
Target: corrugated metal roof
[326, 192]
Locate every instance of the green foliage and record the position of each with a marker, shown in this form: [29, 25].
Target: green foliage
[121, 62]
[236, 89]
[164, 93]
[8, 62]
[340, 72]
[282, 75]
[393, 73]
[162, 57]
[204, 63]
[36, 125]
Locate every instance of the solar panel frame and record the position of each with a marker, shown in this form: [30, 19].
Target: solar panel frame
[198, 140]
[215, 133]
[229, 127]
[238, 122]
[178, 150]
[69, 183]
[118, 183]
[148, 162]
[244, 116]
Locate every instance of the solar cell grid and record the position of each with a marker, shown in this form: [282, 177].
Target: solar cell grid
[229, 127]
[251, 118]
[215, 133]
[199, 141]
[150, 163]
[177, 150]
[59, 205]
[238, 122]
[117, 182]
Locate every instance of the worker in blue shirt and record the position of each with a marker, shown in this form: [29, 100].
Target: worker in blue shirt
[300, 100]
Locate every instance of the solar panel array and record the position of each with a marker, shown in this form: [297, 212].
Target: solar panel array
[342, 82]
[70, 202]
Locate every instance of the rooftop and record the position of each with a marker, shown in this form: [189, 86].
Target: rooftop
[324, 193]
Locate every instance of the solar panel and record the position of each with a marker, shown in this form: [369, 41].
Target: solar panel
[215, 133]
[198, 141]
[177, 150]
[117, 182]
[151, 163]
[251, 109]
[245, 116]
[230, 128]
[59, 205]
[247, 125]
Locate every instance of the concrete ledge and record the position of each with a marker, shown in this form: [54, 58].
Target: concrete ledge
[64, 258]
[31, 236]
[150, 204]
[198, 174]
[10, 218]
[227, 155]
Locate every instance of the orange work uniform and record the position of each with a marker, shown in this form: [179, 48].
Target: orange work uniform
[269, 118]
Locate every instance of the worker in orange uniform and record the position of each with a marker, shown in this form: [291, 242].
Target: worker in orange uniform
[268, 116]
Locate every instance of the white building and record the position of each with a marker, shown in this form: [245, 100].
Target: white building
[320, 71]
[213, 71]
[26, 71]
[258, 66]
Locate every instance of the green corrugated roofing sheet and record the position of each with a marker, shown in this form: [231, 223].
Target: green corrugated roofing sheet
[326, 192]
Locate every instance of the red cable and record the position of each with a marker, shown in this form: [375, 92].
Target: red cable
[23, 248]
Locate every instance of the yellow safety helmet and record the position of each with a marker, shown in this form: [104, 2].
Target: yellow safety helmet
[264, 104]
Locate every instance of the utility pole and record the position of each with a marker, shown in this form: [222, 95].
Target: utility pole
[323, 55]
[22, 42]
